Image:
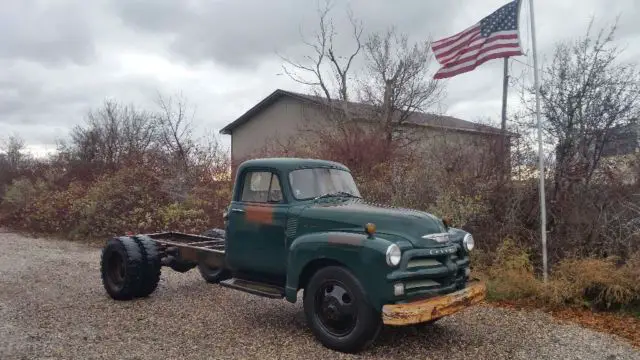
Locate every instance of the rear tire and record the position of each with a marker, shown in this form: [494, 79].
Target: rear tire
[121, 268]
[337, 311]
[151, 267]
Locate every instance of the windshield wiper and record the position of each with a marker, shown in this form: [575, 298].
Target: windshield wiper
[338, 193]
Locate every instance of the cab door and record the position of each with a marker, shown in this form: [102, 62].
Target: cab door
[257, 218]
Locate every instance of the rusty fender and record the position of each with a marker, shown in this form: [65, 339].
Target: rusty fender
[433, 308]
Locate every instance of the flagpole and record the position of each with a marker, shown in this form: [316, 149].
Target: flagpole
[505, 87]
[543, 211]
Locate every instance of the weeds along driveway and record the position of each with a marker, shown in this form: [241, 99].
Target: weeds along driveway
[52, 305]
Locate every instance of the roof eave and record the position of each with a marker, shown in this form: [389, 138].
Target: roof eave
[270, 99]
[278, 93]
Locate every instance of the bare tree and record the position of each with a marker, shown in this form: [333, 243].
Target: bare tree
[324, 58]
[394, 83]
[12, 150]
[397, 82]
[586, 93]
[112, 134]
[175, 128]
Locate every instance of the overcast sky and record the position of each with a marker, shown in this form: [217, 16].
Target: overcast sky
[60, 58]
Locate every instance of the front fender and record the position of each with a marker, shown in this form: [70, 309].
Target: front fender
[364, 256]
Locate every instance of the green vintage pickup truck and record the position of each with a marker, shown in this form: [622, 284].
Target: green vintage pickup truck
[301, 224]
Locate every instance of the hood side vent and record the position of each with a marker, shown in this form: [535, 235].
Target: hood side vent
[292, 228]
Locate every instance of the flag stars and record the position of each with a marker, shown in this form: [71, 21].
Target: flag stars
[503, 19]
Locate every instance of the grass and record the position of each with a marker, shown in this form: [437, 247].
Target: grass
[599, 293]
[594, 283]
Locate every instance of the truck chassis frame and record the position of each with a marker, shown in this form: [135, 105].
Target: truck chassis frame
[180, 247]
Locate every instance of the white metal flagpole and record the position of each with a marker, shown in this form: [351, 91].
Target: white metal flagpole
[543, 210]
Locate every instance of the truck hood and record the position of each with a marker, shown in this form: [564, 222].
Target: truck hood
[392, 223]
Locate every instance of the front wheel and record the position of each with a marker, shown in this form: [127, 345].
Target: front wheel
[337, 311]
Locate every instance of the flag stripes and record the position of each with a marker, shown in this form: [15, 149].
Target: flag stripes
[493, 37]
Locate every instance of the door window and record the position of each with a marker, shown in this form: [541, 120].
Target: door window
[261, 186]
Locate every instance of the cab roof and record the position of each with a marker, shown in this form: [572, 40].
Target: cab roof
[289, 164]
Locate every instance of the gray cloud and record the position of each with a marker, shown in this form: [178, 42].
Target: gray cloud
[243, 33]
[50, 33]
[62, 58]
[42, 105]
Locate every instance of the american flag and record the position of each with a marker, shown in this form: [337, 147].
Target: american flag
[495, 36]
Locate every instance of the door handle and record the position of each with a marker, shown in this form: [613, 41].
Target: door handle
[238, 210]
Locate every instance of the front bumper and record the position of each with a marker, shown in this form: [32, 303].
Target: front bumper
[421, 311]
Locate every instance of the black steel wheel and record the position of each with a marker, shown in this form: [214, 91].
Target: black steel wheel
[121, 268]
[334, 308]
[338, 312]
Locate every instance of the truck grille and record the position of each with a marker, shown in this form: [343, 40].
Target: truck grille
[424, 274]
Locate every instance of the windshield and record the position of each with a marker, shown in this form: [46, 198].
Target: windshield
[311, 183]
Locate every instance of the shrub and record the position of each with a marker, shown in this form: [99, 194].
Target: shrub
[601, 284]
[212, 197]
[50, 210]
[19, 195]
[180, 217]
[126, 200]
[598, 283]
[511, 276]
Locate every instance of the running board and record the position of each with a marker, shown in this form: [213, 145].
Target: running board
[255, 288]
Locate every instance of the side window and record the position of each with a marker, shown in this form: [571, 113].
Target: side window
[261, 186]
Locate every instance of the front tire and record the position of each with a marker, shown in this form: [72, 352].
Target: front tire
[337, 311]
[121, 268]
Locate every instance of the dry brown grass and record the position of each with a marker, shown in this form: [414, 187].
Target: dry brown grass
[599, 283]
[596, 283]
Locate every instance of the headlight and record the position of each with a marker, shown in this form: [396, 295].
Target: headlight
[468, 242]
[393, 255]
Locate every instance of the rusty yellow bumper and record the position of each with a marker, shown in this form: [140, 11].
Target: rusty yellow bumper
[421, 311]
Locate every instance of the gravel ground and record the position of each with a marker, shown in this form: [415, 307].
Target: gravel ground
[53, 306]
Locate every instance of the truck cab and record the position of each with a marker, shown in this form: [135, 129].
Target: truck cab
[302, 225]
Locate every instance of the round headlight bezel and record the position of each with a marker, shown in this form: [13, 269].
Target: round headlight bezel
[468, 242]
[393, 255]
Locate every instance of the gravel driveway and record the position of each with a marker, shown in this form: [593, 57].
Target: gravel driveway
[53, 306]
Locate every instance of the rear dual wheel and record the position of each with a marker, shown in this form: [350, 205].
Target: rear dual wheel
[337, 311]
[130, 267]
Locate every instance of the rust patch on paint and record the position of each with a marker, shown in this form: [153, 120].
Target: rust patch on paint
[433, 308]
[259, 214]
[344, 240]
